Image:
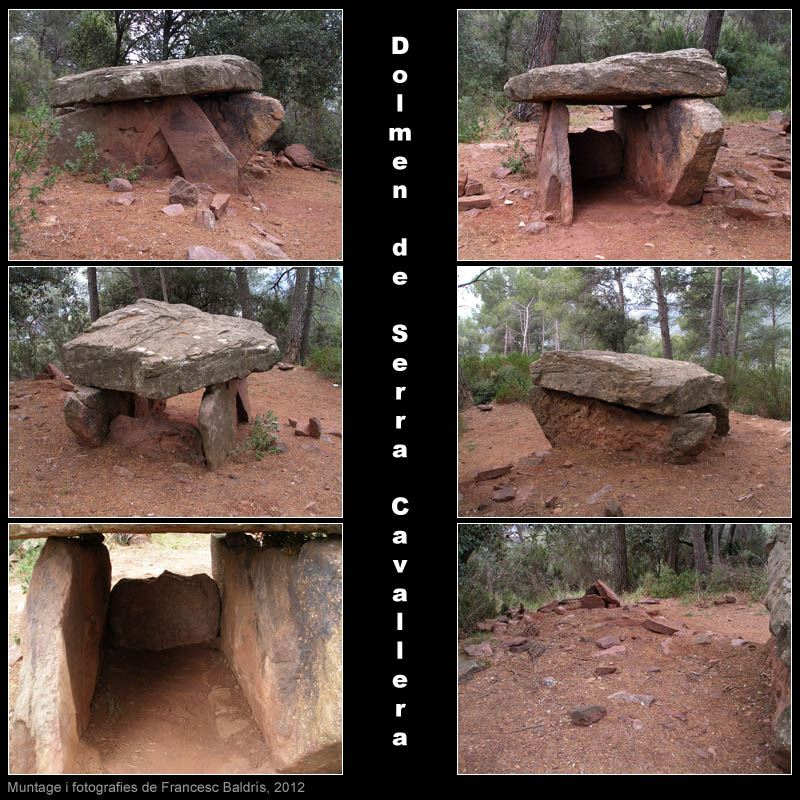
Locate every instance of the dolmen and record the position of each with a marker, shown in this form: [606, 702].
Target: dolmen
[202, 118]
[126, 365]
[665, 136]
[649, 408]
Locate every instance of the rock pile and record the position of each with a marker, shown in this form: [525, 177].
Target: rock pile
[202, 118]
[470, 193]
[651, 408]
[598, 595]
[128, 362]
[666, 150]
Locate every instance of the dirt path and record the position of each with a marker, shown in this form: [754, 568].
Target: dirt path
[710, 715]
[53, 475]
[745, 474]
[615, 222]
[76, 221]
[175, 711]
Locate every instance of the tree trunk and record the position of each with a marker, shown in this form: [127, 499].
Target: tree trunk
[136, 278]
[307, 315]
[712, 334]
[162, 273]
[558, 337]
[620, 289]
[245, 298]
[738, 318]
[94, 298]
[710, 40]
[298, 303]
[621, 579]
[716, 533]
[663, 314]
[699, 544]
[464, 394]
[543, 54]
[672, 552]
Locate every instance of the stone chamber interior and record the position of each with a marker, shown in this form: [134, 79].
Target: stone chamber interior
[236, 672]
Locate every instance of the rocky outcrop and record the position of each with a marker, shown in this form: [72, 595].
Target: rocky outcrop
[658, 385]
[670, 148]
[167, 611]
[628, 78]
[779, 603]
[159, 350]
[181, 76]
[65, 611]
[567, 419]
[281, 631]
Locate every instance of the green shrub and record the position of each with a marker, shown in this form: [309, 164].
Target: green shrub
[263, 438]
[672, 584]
[121, 171]
[24, 567]
[502, 379]
[327, 361]
[28, 140]
[759, 389]
[474, 604]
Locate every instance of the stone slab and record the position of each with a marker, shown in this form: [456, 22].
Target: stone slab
[554, 175]
[216, 421]
[180, 76]
[158, 350]
[627, 78]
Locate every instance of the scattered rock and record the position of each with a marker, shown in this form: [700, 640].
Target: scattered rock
[120, 185]
[617, 650]
[173, 209]
[474, 202]
[300, 156]
[587, 715]
[747, 209]
[125, 199]
[219, 204]
[494, 472]
[660, 627]
[643, 699]
[549, 682]
[535, 227]
[600, 671]
[482, 650]
[204, 217]
[607, 641]
[552, 502]
[484, 407]
[504, 494]
[203, 253]
[182, 192]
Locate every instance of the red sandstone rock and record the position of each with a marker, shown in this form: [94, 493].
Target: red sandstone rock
[664, 628]
[219, 204]
[587, 715]
[476, 201]
[554, 175]
[302, 157]
[607, 593]
[592, 601]
[216, 421]
[494, 472]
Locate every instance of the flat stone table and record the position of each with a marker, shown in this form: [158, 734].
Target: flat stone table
[129, 362]
[651, 408]
[202, 117]
[666, 150]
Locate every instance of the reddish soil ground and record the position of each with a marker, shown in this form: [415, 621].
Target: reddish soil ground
[76, 221]
[745, 474]
[177, 711]
[51, 474]
[711, 712]
[614, 222]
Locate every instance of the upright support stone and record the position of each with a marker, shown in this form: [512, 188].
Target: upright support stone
[553, 173]
[281, 631]
[89, 412]
[217, 423]
[196, 145]
[669, 149]
[65, 612]
[244, 411]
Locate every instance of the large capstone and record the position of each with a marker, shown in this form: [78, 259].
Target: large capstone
[658, 385]
[159, 350]
[281, 631]
[167, 611]
[669, 149]
[62, 629]
[779, 603]
[184, 76]
[628, 78]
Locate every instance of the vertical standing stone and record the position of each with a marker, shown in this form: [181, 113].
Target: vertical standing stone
[88, 412]
[554, 174]
[244, 411]
[217, 423]
[669, 149]
[65, 612]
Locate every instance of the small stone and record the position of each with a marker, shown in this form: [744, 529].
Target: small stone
[607, 641]
[504, 494]
[482, 650]
[202, 253]
[702, 638]
[124, 199]
[183, 192]
[484, 407]
[120, 185]
[601, 671]
[535, 228]
[204, 217]
[219, 204]
[587, 715]
[552, 502]
[618, 650]
[123, 472]
[494, 472]
[501, 172]
[660, 627]
[645, 700]
[549, 682]
[475, 201]
[173, 210]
